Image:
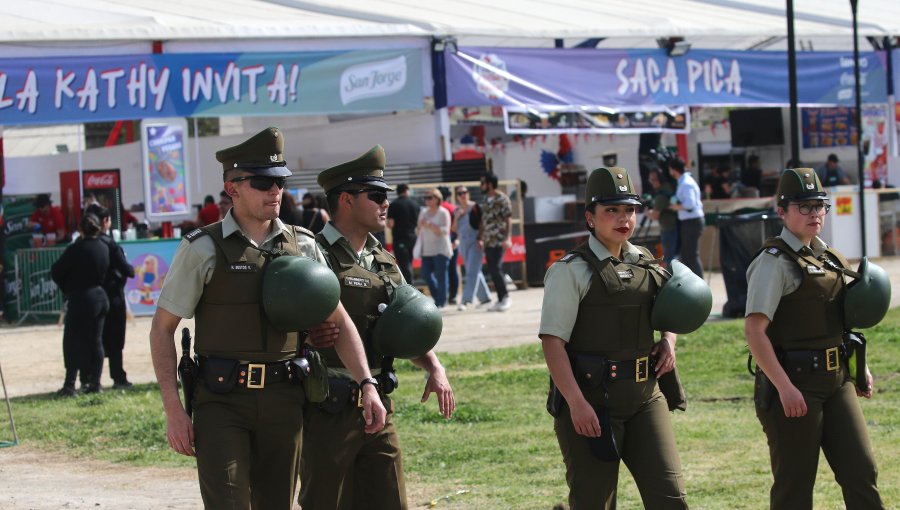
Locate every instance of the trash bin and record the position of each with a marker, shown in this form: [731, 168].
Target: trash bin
[742, 235]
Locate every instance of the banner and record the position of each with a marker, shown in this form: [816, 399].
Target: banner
[165, 170]
[540, 120]
[875, 143]
[104, 88]
[829, 127]
[518, 77]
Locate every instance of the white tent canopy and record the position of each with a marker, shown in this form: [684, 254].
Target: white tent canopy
[34, 26]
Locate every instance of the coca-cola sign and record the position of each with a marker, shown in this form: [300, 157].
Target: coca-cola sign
[101, 180]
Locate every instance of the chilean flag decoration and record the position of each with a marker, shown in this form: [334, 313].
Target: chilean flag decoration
[551, 162]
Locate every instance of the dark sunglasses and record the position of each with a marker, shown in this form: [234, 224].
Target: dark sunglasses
[262, 183]
[376, 195]
[462, 192]
[429, 197]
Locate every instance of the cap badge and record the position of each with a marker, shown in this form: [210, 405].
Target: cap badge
[805, 175]
[619, 176]
[273, 158]
[810, 186]
[623, 188]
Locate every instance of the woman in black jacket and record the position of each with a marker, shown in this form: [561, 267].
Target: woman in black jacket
[80, 273]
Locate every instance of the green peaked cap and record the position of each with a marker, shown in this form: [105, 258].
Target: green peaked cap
[259, 155]
[611, 186]
[367, 169]
[800, 184]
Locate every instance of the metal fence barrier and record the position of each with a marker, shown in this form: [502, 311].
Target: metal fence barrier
[38, 295]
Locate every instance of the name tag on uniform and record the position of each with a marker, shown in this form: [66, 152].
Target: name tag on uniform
[242, 267]
[626, 274]
[354, 281]
[811, 269]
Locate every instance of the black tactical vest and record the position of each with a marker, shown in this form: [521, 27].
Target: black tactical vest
[229, 318]
[614, 317]
[361, 293]
[811, 317]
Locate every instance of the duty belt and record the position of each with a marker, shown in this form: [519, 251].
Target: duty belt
[814, 360]
[637, 369]
[257, 375]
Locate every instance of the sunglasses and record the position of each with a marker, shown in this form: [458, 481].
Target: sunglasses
[429, 197]
[376, 195]
[262, 183]
[462, 192]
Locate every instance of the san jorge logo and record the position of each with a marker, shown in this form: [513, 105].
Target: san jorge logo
[491, 83]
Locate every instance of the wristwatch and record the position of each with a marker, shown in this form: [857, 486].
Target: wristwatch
[368, 380]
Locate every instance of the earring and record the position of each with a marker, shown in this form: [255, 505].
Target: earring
[591, 225]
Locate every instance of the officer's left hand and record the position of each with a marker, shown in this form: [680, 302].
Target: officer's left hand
[437, 383]
[870, 385]
[323, 335]
[664, 352]
[373, 409]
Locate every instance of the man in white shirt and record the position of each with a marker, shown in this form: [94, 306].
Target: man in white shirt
[690, 216]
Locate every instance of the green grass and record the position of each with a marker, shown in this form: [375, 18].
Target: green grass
[499, 451]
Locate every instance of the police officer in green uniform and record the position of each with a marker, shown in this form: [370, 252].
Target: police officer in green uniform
[247, 416]
[342, 467]
[599, 346]
[805, 399]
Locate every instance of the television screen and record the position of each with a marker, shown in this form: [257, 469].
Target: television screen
[756, 126]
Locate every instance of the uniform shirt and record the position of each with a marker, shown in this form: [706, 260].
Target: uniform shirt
[688, 194]
[770, 277]
[192, 266]
[365, 259]
[495, 211]
[566, 284]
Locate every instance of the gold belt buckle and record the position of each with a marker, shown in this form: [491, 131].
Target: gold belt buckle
[642, 369]
[832, 361]
[252, 381]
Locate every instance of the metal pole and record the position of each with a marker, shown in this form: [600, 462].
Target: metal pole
[860, 157]
[792, 84]
[12, 423]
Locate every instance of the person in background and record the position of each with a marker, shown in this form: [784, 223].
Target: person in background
[48, 218]
[225, 203]
[434, 231]
[751, 176]
[494, 236]
[119, 272]
[403, 214]
[690, 215]
[453, 265]
[314, 215]
[466, 221]
[718, 185]
[667, 218]
[289, 214]
[80, 272]
[210, 213]
[831, 174]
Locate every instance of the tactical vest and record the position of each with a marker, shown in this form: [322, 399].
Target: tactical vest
[811, 317]
[614, 317]
[230, 322]
[361, 293]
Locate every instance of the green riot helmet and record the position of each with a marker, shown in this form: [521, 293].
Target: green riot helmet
[298, 293]
[868, 298]
[409, 326]
[684, 302]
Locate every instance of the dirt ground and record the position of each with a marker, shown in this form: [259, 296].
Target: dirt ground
[31, 361]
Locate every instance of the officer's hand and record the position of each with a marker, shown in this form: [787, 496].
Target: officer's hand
[585, 419]
[373, 409]
[437, 383]
[870, 385]
[664, 352]
[180, 432]
[793, 403]
[323, 335]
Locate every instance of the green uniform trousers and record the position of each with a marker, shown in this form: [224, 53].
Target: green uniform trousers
[834, 422]
[343, 468]
[248, 446]
[643, 430]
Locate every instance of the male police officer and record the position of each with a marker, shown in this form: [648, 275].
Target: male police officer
[340, 467]
[247, 419]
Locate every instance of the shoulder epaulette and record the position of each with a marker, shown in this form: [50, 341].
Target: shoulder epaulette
[304, 231]
[773, 251]
[568, 257]
[195, 234]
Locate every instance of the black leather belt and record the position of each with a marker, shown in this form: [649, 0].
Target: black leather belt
[812, 360]
[258, 375]
[637, 370]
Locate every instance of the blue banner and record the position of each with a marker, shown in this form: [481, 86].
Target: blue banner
[103, 88]
[589, 77]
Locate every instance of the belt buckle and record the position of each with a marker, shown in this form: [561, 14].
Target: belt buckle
[832, 361]
[642, 369]
[254, 382]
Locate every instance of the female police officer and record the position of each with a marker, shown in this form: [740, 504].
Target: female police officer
[794, 329]
[598, 343]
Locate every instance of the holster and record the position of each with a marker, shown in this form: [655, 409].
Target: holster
[764, 392]
[316, 383]
[554, 400]
[219, 374]
[671, 388]
[855, 348]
